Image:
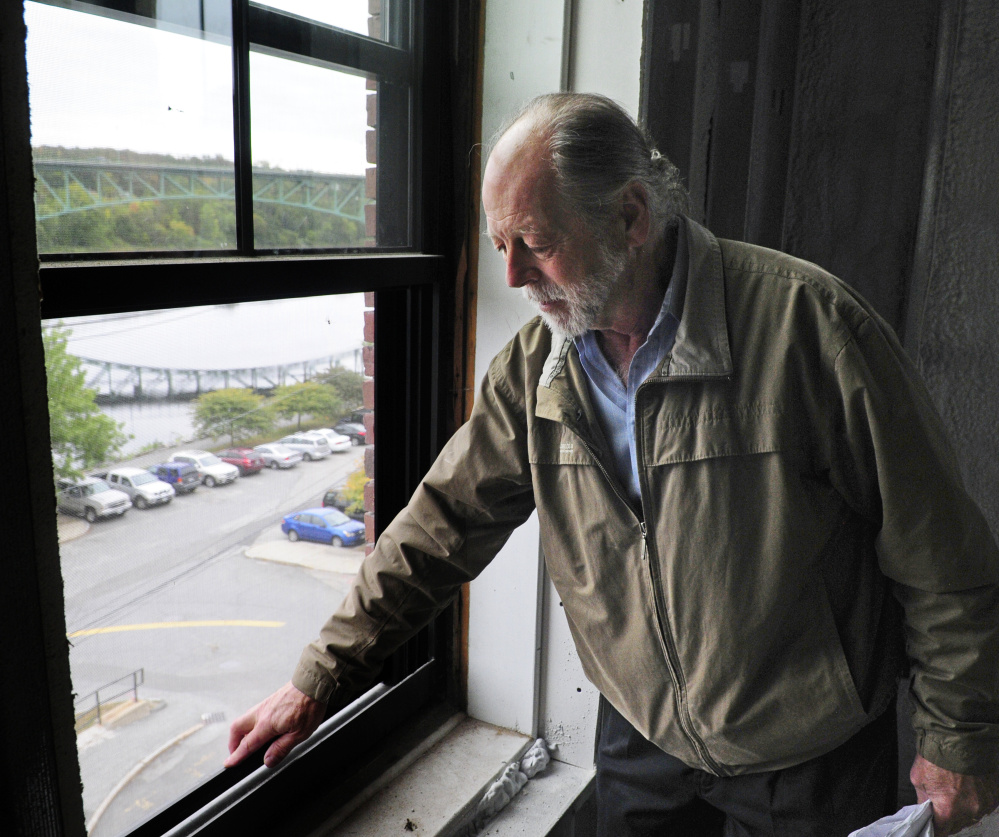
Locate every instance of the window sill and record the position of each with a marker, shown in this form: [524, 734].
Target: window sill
[432, 790]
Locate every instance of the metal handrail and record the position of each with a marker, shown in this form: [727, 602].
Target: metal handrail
[100, 696]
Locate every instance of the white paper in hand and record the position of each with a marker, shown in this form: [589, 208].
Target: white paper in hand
[911, 821]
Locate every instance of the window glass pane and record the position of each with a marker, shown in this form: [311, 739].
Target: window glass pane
[184, 613]
[364, 17]
[310, 138]
[132, 136]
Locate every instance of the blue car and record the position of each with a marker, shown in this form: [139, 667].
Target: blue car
[325, 525]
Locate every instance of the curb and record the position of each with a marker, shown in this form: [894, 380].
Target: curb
[135, 771]
[70, 528]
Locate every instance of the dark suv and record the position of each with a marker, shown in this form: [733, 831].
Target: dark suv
[183, 477]
[353, 429]
[334, 499]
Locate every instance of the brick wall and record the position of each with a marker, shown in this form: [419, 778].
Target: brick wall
[370, 224]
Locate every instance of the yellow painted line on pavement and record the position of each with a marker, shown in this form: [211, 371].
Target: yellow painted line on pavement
[155, 626]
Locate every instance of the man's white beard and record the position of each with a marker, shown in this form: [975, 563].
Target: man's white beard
[583, 303]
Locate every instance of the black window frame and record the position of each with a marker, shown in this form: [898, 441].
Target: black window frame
[413, 288]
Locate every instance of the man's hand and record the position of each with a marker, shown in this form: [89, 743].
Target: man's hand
[288, 715]
[959, 800]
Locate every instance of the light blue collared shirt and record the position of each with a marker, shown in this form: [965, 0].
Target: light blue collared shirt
[613, 400]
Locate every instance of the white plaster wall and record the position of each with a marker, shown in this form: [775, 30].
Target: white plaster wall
[523, 58]
[606, 49]
[523, 670]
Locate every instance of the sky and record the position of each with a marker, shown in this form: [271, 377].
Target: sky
[99, 82]
[239, 336]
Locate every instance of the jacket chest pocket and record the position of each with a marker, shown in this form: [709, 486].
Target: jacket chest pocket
[671, 437]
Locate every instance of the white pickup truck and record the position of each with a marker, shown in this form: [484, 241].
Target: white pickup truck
[142, 488]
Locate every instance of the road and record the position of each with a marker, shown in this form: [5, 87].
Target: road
[170, 590]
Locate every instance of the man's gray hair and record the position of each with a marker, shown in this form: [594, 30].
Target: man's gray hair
[596, 150]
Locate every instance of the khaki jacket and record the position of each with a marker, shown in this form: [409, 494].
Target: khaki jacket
[800, 507]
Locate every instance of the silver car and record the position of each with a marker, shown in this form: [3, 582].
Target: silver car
[278, 456]
[310, 445]
[92, 499]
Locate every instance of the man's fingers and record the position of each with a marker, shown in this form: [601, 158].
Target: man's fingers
[277, 752]
[288, 715]
[251, 742]
[240, 727]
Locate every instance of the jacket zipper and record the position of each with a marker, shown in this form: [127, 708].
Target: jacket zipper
[665, 639]
[665, 635]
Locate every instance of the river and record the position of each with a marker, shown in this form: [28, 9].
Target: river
[282, 339]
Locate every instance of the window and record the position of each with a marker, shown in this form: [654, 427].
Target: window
[213, 190]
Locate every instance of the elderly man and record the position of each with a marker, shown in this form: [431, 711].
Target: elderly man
[745, 500]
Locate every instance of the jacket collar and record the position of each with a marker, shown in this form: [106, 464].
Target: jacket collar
[701, 348]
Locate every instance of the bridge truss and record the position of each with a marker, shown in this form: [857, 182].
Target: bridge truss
[121, 381]
[64, 187]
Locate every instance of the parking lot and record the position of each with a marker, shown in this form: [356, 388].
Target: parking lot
[213, 604]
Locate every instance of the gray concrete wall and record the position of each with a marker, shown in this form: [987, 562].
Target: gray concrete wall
[858, 140]
[953, 317]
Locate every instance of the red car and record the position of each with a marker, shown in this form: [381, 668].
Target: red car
[246, 459]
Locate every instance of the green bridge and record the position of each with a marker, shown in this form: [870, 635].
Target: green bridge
[64, 187]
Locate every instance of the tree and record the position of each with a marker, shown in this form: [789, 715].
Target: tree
[238, 412]
[311, 398]
[82, 436]
[347, 384]
[353, 491]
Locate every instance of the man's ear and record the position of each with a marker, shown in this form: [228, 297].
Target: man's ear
[635, 212]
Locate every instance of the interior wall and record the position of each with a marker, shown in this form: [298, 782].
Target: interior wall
[858, 142]
[523, 671]
[953, 316]
[605, 49]
[800, 125]
[862, 138]
[522, 58]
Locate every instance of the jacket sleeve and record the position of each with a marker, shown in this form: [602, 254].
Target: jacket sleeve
[933, 543]
[476, 493]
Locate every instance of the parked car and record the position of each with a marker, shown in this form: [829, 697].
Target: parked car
[337, 442]
[246, 459]
[92, 499]
[334, 499]
[326, 525]
[212, 470]
[278, 456]
[311, 445]
[182, 477]
[142, 488]
[355, 431]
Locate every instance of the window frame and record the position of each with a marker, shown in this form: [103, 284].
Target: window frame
[413, 289]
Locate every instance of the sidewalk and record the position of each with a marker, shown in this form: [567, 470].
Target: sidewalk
[70, 528]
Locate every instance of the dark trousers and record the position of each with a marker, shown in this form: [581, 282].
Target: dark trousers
[643, 792]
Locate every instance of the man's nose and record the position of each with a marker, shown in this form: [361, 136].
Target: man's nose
[519, 270]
